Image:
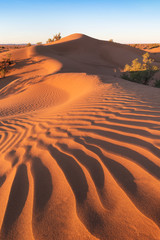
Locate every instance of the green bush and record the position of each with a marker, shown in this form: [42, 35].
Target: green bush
[140, 72]
[142, 77]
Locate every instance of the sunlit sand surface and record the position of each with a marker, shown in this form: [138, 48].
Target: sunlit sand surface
[80, 147]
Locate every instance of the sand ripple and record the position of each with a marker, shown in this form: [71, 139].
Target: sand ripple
[89, 171]
[80, 160]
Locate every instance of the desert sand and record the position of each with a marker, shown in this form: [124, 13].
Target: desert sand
[80, 147]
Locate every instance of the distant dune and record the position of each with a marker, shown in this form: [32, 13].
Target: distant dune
[146, 46]
[80, 147]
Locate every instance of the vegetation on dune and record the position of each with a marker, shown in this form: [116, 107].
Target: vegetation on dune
[28, 44]
[140, 72]
[155, 45]
[49, 40]
[55, 38]
[145, 46]
[4, 65]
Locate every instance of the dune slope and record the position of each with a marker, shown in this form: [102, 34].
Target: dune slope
[80, 147]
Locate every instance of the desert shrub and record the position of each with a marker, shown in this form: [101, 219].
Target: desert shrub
[3, 68]
[140, 72]
[155, 45]
[49, 40]
[157, 84]
[39, 43]
[8, 59]
[28, 44]
[145, 46]
[3, 72]
[55, 38]
[138, 76]
[4, 65]
[110, 40]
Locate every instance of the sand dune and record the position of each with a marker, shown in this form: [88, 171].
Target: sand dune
[154, 50]
[80, 147]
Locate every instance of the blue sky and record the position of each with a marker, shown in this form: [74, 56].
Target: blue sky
[123, 21]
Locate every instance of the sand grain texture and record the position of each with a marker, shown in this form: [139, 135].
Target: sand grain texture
[80, 147]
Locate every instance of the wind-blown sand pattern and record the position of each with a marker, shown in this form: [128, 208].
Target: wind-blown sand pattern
[80, 147]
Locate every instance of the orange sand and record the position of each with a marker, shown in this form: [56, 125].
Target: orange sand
[80, 147]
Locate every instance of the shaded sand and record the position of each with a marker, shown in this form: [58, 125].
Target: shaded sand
[80, 147]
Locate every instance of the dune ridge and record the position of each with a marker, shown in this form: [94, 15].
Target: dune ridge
[80, 147]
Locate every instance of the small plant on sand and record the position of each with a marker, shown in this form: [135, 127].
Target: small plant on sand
[4, 64]
[29, 44]
[3, 72]
[111, 40]
[49, 40]
[55, 38]
[140, 72]
[39, 43]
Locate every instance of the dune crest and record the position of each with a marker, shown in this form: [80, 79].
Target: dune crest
[80, 147]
